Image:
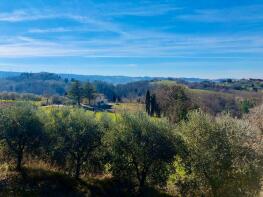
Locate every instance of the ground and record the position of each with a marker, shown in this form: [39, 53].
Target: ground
[46, 182]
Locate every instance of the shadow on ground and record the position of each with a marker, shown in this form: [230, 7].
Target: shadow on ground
[38, 182]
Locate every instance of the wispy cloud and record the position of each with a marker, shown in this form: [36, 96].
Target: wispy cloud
[129, 42]
[51, 30]
[149, 9]
[24, 15]
[94, 23]
[244, 13]
[142, 44]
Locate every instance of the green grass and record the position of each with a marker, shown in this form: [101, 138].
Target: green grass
[128, 107]
[111, 115]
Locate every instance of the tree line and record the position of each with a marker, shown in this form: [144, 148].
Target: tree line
[78, 91]
[202, 155]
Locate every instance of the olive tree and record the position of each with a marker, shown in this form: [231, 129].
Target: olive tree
[77, 134]
[222, 154]
[141, 148]
[21, 130]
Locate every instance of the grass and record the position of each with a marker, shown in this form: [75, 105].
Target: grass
[111, 115]
[128, 107]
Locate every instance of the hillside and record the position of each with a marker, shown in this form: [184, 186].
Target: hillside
[109, 79]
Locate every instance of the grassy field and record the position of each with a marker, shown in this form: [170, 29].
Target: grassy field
[116, 109]
[128, 107]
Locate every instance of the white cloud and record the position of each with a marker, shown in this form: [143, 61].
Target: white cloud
[145, 10]
[50, 30]
[141, 44]
[24, 15]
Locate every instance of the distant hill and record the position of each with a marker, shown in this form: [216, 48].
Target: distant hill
[36, 83]
[109, 79]
[6, 74]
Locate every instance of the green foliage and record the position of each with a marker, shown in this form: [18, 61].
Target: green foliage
[230, 85]
[75, 91]
[245, 106]
[141, 148]
[74, 135]
[35, 83]
[20, 97]
[204, 155]
[174, 102]
[88, 91]
[222, 155]
[21, 130]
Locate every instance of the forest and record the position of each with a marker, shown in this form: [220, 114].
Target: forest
[157, 137]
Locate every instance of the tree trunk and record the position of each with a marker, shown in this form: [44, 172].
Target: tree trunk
[78, 164]
[19, 160]
[215, 192]
[142, 185]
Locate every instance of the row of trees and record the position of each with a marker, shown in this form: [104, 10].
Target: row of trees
[78, 91]
[202, 155]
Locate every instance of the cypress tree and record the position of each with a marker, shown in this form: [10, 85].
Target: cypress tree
[153, 105]
[148, 102]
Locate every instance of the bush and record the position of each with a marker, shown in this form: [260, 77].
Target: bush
[21, 130]
[74, 135]
[222, 155]
[142, 148]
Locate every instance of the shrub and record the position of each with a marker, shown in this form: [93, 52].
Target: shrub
[74, 135]
[141, 148]
[21, 130]
[222, 154]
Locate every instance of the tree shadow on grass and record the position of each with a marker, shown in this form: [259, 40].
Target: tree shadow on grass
[39, 182]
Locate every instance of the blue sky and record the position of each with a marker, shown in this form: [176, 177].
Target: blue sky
[177, 38]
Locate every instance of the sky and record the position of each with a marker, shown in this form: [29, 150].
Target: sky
[176, 38]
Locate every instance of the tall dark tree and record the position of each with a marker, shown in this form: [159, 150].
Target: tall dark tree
[153, 105]
[114, 98]
[119, 99]
[89, 91]
[75, 91]
[148, 102]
